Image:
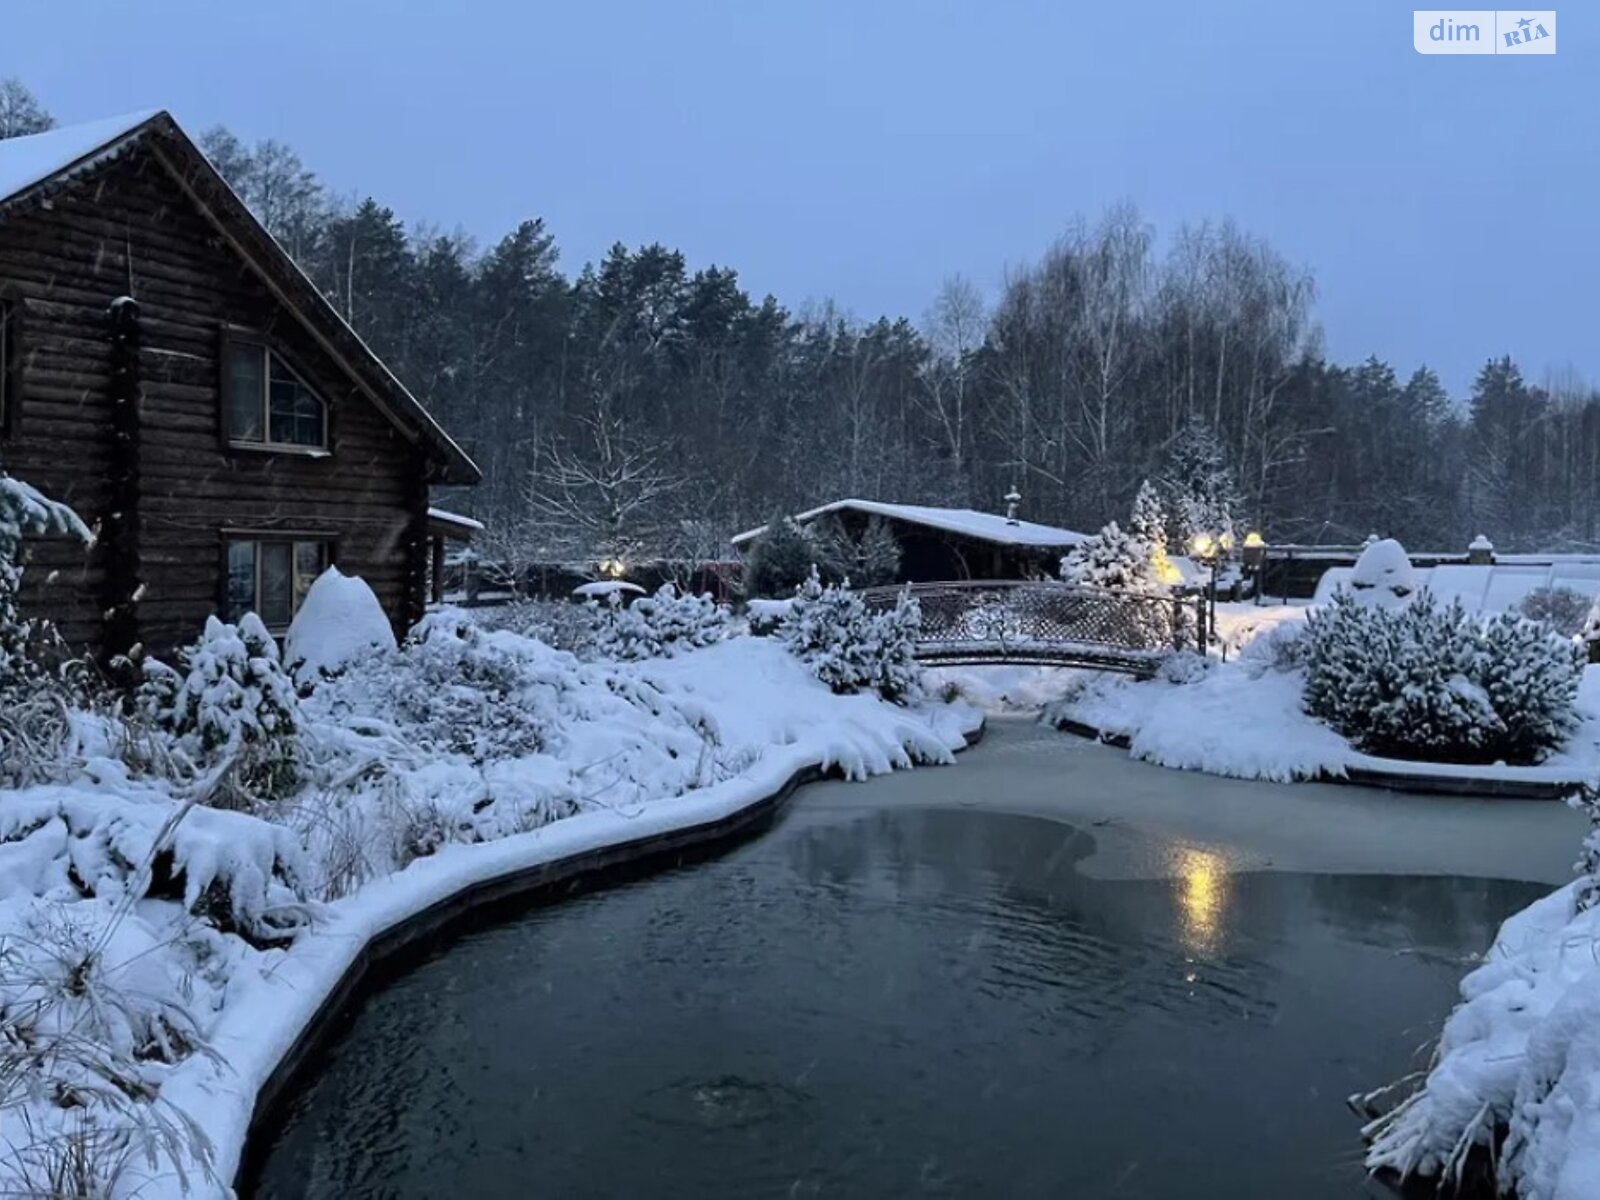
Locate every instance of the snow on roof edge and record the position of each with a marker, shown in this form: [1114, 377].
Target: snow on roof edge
[450, 518]
[989, 527]
[28, 161]
[57, 153]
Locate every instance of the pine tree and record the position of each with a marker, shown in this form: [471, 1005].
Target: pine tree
[1113, 560]
[780, 561]
[868, 560]
[1148, 523]
[1201, 492]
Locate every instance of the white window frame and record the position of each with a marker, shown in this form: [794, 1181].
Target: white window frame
[232, 345]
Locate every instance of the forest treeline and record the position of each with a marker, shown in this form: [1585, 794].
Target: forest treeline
[643, 404]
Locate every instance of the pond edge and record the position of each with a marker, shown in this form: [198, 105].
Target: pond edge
[1402, 777]
[434, 924]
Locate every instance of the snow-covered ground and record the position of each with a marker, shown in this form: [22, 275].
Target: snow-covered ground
[1519, 1058]
[198, 968]
[1244, 718]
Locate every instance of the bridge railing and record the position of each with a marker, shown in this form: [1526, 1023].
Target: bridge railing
[1042, 620]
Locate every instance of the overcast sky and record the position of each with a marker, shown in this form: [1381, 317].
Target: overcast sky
[864, 150]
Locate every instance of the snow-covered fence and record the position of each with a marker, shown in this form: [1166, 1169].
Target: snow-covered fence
[1054, 623]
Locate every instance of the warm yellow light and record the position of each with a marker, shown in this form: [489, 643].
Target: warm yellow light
[1253, 540]
[1200, 545]
[614, 568]
[1226, 541]
[1202, 886]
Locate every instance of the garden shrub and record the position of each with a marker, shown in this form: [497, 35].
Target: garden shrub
[1561, 608]
[849, 647]
[657, 626]
[1423, 681]
[230, 699]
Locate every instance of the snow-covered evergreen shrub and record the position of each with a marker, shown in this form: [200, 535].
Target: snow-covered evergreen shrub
[868, 560]
[340, 622]
[1383, 575]
[1426, 682]
[1201, 491]
[230, 700]
[1148, 524]
[658, 625]
[1561, 609]
[23, 511]
[849, 647]
[765, 616]
[780, 560]
[1112, 560]
[456, 687]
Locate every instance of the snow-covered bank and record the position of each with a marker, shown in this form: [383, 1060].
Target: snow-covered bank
[1245, 720]
[1516, 1080]
[218, 960]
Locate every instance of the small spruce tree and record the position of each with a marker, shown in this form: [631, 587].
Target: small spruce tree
[780, 560]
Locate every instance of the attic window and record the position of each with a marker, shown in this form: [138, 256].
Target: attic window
[266, 403]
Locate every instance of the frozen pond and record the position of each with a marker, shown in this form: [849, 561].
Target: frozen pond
[1000, 978]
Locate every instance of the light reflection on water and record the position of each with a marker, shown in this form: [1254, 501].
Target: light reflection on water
[1201, 883]
[900, 1003]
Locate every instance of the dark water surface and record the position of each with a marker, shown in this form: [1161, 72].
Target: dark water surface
[906, 1003]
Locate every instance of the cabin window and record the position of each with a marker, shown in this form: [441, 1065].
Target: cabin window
[267, 404]
[270, 577]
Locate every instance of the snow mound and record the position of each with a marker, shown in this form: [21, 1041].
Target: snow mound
[1383, 576]
[339, 623]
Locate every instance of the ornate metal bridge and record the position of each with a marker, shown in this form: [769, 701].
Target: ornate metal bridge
[1052, 624]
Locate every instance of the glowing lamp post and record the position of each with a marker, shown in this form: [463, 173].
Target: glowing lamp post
[1209, 551]
[1254, 554]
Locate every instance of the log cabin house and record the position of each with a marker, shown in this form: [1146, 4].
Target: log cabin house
[168, 371]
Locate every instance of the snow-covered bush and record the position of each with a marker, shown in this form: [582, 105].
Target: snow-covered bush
[559, 623]
[1561, 609]
[1113, 560]
[849, 647]
[1421, 681]
[1589, 634]
[457, 688]
[1383, 576]
[91, 1022]
[659, 625]
[1148, 524]
[780, 560]
[230, 701]
[765, 616]
[340, 622]
[868, 560]
[23, 510]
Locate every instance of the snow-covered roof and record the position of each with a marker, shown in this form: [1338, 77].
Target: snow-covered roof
[608, 587]
[968, 522]
[445, 517]
[26, 161]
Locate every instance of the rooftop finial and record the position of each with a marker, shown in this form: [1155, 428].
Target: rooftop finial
[1013, 498]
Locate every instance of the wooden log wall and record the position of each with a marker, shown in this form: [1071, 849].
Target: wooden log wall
[128, 229]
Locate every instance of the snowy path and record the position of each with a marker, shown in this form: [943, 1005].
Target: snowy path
[1025, 767]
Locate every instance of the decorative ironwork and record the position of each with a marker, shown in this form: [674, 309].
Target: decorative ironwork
[1016, 621]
